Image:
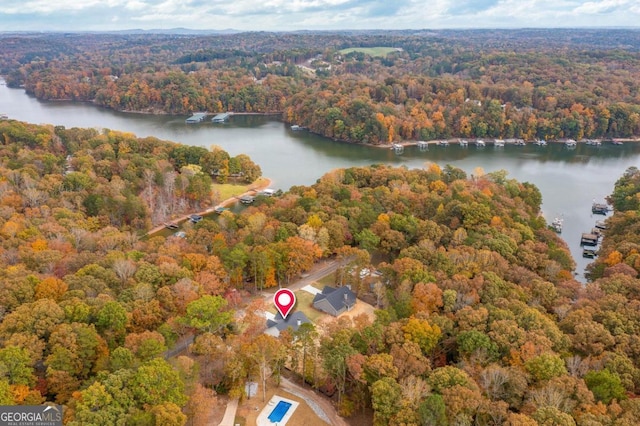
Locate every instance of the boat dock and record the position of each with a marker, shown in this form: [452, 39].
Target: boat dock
[247, 199]
[399, 149]
[197, 117]
[599, 208]
[221, 118]
[589, 240]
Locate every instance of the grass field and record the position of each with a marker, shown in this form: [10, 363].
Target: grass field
[379, 51]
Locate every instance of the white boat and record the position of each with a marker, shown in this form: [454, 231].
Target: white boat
[498, 143]
[541, 142]
[295, 127]
[556, 225]
[443, 143]
[480, 143]
[463, 142]
[570, 143]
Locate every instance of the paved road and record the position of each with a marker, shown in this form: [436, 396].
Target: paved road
[318, 271]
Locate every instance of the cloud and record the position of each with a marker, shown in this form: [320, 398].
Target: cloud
[282, 15]
[464, 7]
[605, 6]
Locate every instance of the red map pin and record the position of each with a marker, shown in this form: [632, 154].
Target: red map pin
[284, 299]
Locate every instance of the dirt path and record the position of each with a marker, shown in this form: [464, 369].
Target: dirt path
[264, 183]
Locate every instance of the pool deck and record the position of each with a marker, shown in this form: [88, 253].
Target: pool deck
[263, 419]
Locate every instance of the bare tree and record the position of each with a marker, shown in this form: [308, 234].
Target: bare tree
[124, 269]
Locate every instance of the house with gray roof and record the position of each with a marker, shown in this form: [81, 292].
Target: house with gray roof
[335, 301]
[278, 324]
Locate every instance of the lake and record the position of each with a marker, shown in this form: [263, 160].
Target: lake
[569, 179]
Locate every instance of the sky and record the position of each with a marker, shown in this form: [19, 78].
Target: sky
[292, 15]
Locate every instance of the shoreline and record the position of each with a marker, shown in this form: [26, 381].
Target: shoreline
[264, 183]
[491, 142]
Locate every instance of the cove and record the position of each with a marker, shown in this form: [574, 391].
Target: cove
[569, 180]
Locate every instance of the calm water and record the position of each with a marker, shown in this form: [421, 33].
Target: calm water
[569, 179]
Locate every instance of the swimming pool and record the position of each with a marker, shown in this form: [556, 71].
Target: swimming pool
[279, 411]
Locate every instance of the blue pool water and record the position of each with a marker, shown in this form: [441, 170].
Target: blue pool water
[279, 411]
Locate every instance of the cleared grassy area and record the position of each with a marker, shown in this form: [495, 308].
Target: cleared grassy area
[326, 280]
[379, 51]
[304, 302]
[228, 190]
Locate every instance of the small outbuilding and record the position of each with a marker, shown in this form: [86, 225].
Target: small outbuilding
[335, 301]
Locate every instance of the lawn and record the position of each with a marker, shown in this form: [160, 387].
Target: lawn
[304, 302]
[379, 51]
[328, 279]
[228, 190]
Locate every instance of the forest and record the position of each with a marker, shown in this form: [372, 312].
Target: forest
[434, 84]
[478, 318]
